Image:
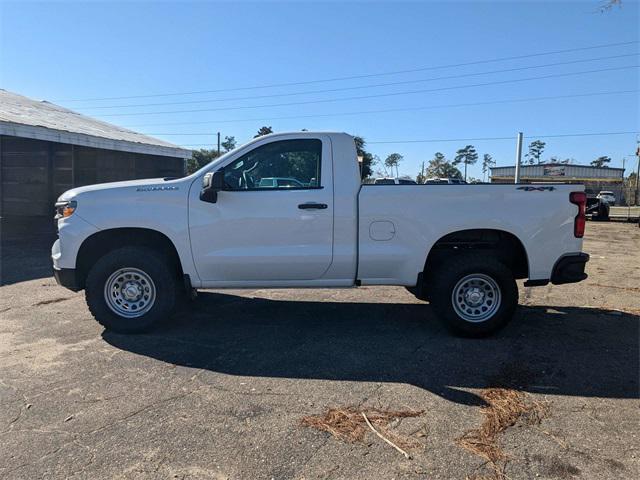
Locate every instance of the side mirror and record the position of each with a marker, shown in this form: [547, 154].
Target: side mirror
[212, 183]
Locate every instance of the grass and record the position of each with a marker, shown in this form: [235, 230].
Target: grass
[348, 424]
[505, 407]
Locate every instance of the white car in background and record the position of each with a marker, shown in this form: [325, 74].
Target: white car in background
[445, 181]
[607, 197]
[394, 181]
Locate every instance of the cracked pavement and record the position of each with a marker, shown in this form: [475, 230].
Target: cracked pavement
[218, 392]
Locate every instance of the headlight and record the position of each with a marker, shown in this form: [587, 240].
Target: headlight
[65, 209]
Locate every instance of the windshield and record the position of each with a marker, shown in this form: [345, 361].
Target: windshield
[216, 161]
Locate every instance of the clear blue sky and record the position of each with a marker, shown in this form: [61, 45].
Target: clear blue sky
[66, 51]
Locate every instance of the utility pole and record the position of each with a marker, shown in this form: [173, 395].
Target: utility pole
[518, 157]
[218, 143]
[638, 179]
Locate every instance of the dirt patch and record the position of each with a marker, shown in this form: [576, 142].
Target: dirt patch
[505, 407]
[349, 425]
[45, 354]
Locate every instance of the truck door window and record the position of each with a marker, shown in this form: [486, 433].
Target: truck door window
[281, 165]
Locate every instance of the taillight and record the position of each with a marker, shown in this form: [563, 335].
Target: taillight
[579, 199]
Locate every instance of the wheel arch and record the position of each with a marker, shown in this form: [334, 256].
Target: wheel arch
[105, 241]
[501, 244]
[504, 244]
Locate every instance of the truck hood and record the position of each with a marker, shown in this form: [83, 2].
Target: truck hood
[160, 183]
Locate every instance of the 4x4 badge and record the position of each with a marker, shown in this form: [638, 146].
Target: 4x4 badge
[536, 189]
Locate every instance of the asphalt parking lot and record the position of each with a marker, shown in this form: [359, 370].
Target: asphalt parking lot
[219, 391]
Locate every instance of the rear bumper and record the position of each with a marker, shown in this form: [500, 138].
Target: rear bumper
[570, 269]
[67, 278]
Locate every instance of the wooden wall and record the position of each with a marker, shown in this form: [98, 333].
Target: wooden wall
[33, 173]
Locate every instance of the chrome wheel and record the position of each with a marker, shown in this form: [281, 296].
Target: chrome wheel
[476, 297]
[129, 292]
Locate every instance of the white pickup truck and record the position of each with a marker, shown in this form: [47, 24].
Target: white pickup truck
[136, 247]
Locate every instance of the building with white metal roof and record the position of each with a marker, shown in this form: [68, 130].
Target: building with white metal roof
[595, 179]
[24, 117]
[46, 149]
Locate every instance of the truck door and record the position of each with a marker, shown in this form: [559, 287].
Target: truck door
[271, 230]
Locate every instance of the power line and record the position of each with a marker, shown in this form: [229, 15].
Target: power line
[352, 77]
[388, 110]
[475, 139]
[582, 134]
[506, 138]
[359, 87]
[330, 100]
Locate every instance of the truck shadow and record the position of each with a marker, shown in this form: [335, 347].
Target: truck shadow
[556, 350]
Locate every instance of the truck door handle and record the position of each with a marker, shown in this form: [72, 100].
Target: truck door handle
[312, 206]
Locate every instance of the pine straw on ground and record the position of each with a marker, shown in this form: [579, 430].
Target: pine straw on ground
[348, 424]
[505, 407]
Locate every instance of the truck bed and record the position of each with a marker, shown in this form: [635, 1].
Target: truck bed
[399, 223]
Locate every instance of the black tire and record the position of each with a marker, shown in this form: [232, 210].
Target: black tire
[448, 276]
[149, 262]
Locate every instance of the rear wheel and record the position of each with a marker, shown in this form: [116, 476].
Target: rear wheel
[131, 289]
[473, 295]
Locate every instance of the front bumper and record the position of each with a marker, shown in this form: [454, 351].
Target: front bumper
[570, 269]
[67, 278]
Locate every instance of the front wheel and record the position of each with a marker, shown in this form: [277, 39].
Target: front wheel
[130, 289]
[474, 295]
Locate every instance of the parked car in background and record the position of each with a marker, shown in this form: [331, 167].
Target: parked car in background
[597, 208]
[607, 197]
[135, 247]
[445, 181]
[273, 182]
[394, 181]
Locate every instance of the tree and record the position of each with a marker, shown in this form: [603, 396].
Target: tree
[229, 143]
[263, 131]
[421, 178]
[199, 158]
[439, 167]
[601, 162]
[535, 151]
[466, 155]
[377, 161]
[487, 163]
[367, 158]
[392, 161]
[631, 189]
[436, 166]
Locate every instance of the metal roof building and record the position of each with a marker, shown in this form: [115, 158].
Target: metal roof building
[46, 149]
[593, 178]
